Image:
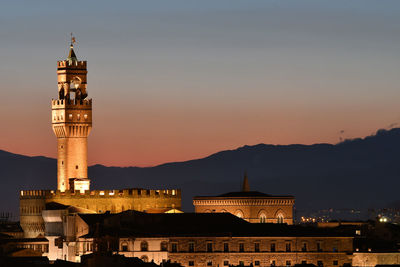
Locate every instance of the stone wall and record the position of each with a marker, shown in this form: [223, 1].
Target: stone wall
[373, 259]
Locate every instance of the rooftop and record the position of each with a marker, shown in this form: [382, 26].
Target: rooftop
[245, 193]
[139, 224]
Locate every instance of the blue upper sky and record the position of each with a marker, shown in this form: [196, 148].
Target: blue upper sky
[182, 79]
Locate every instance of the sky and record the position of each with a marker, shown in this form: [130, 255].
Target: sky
[181, 79]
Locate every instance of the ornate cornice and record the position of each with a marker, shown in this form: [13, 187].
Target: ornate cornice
[244, 202]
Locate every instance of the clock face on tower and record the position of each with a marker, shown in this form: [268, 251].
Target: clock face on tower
[76, 82]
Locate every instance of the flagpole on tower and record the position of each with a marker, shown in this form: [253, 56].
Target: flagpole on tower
[73, 40]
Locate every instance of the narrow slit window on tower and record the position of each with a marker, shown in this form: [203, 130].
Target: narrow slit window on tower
[85, 116]
[70, 116]
[76, 167]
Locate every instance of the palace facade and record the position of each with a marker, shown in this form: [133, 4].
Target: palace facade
[252, 206]
[198, 239]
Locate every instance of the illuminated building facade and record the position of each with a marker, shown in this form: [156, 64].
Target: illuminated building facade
[253, 206]
[209, 239]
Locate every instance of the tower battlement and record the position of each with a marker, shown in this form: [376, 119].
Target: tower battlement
[71, 103]
[117, 193]
[71, 64]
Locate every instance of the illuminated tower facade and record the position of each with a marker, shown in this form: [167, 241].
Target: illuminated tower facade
[72, 122]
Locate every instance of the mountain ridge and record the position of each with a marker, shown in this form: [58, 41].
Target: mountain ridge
[356, 173]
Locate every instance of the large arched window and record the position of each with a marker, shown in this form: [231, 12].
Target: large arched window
[144, 246]
[280, 218]
[239, 214]
[263, 218]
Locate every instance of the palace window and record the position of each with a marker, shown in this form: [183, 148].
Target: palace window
[335, 263]
[319, 247]
[239, 213]
[288, 263]
[226, 247]
[280, 218]
[303, 262]
[124, 246]
[209, 263]
[273, 263]
[144, 246]
[256, 247]
[273, 248]
[226, 263]
[304, 247]
[191, 247]
[174, 247]
[241, 263]
[164, 246]
[257, 263]
[241, 247]
[335, 247]
[209, 247]
[288, 247]
[191, 263]
[320, 263]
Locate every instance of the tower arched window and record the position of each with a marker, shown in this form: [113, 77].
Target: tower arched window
[280, 218]
[144, 246]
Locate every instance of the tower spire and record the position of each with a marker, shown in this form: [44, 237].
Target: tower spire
[71, 55]
[246, 186]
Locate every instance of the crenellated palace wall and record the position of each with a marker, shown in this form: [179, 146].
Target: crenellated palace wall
[32, 202]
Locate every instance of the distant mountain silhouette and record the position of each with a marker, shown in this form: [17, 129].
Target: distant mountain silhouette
[358, 173]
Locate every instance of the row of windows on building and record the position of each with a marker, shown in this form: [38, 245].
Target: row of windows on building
[257, 263]
[70, 116]
[226, 248]
[44, 248]
[262, 217]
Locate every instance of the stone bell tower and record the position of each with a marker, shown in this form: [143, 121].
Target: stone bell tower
[72, 122]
